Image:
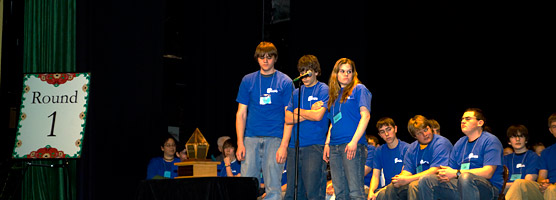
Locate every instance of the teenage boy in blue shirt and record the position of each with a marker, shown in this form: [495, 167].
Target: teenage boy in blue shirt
[545, 187]
[523, 166]
[423, 157]
[475, 169]
[312, 134]
[388, 158]
[262, 98]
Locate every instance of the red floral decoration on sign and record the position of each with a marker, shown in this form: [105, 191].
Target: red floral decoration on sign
[57, 79]
[46, 152]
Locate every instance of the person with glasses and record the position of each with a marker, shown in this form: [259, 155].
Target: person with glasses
[388, 158]
[262, 99]
[523, 166]
[349, 110]
[163, 166]
[475, 167]
[423, 157]
[312, 134]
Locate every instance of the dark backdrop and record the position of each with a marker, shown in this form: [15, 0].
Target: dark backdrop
[434, 60]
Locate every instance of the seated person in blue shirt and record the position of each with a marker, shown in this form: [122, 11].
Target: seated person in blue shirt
[523, 166]
[475, 169]
[388, 158]
[230, 166]
[545, 187]
[423, 157]
[163, 166]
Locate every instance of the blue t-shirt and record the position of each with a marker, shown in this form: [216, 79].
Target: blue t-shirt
[312, 132]
[369, 163]
[435, 154]
[390, 161]
[266, 98]
[485, 150]
[157, 166]
[343, 130]
[521, 164]
[235, 166]
[548, 162]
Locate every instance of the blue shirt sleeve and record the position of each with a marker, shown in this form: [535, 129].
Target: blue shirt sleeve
[243, 93]
[370, 156]
[441, 153]
[365, 97]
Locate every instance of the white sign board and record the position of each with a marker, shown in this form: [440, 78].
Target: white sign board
[52, 116]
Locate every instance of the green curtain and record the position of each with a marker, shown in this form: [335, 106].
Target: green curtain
[49, 36]
[49, 46]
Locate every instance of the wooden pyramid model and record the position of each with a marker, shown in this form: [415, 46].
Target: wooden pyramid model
[197, 146]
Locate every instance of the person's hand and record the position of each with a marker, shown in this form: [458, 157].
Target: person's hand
[326, 153]
[227, 161]
[240, 153]
[317, 105]
[281, 155]
[445, 174]
[351, 150]
[543, 185]
[399, 181]
[329, 188]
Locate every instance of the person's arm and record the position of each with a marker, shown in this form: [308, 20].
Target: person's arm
[315, 114]
[406, 177]
[351, 148]
[241, 118]
[326, 153]
[374, 184]
[447, 173]
[282, 153]
[291, 118]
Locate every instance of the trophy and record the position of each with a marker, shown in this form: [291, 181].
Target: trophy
[197, 146]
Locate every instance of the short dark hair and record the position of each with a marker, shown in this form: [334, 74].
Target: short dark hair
[513, 129]
[384, 122]
[266, 48]
[308, 62]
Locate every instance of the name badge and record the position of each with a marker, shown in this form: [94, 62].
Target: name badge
[167, 174]
[337, 117]
[265, 99]
[419, 169]
[515, 177]
[465, 166]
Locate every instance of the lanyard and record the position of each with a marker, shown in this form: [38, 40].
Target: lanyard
[260, 86]
[465, 149]
[522, 161]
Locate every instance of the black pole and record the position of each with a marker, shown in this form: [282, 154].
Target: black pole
[297, 142]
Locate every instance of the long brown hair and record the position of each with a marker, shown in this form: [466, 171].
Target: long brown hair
[334, 85]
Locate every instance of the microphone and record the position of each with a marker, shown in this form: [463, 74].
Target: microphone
[308, 73]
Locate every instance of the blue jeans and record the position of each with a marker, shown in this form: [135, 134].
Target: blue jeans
[468, 186]
[348, 175]
[260, 154]
[311, 183]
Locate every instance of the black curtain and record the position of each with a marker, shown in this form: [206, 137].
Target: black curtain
[120, 43]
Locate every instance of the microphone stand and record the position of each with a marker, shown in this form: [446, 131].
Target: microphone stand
[297, 142]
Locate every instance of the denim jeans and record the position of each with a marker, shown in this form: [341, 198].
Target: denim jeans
[348, 175]
[468, 186]
[260, 154]
[311, 183]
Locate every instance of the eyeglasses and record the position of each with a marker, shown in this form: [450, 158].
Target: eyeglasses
[514, 136]
[169, 145]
